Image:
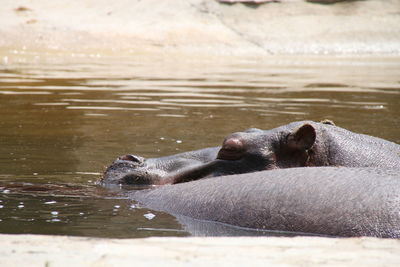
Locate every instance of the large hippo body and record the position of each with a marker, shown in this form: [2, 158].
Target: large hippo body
[298, 144]
[318, 200]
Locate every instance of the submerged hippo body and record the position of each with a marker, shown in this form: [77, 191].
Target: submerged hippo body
[319, 200]
[298, 144]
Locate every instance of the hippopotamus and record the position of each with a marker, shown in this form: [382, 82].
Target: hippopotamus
[297, 144]
[329, 201]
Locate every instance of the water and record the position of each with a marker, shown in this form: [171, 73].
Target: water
[64, 118]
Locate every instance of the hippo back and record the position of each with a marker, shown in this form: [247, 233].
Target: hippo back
[320, 200]
[346, 148]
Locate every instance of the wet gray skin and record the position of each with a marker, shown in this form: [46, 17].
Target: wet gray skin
[298, 144]
[332, 201]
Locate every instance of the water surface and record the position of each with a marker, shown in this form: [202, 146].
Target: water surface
[64, 118]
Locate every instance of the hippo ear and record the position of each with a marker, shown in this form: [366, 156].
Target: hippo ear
[303, 138]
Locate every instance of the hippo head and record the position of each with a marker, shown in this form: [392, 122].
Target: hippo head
[253, 150]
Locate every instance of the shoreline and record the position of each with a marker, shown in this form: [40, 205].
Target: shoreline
[41, 250]
[201, 27]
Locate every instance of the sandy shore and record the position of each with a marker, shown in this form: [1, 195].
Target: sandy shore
[38, 250]
[196, 26]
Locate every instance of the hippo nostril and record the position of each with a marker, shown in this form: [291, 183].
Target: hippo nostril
[131, 158]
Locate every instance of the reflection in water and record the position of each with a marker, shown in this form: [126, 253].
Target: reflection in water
[64, 119]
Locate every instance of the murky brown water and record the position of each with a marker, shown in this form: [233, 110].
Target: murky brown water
[64, 118]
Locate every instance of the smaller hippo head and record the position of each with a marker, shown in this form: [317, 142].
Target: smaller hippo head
[256, 150]
[292, 145]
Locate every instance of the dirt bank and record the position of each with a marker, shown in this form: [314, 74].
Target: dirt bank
[196, 26]
[37, 250]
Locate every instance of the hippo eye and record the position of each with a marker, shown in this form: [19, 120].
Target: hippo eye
[232, 149]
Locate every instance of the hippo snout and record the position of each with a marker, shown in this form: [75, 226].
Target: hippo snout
[133, 170]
